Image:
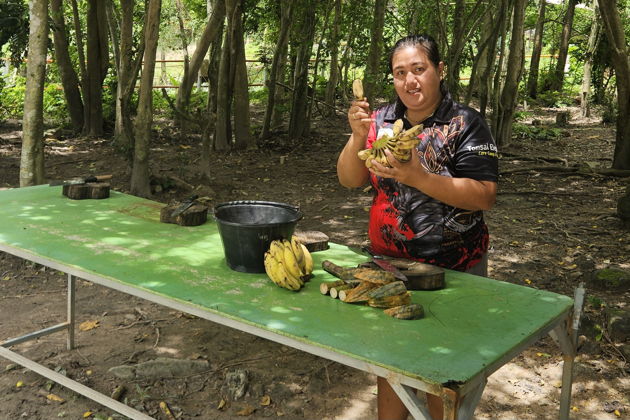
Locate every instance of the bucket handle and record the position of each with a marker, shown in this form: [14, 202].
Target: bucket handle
[268, 203]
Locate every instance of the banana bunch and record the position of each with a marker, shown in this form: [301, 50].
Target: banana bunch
[288, 263]
[400, 143]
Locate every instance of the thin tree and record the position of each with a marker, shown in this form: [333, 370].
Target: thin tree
[225, 94]
[67, 74]
[97, 64]
[127, 69]
[32, 155]
[140, 172]
[333, 75]
[373, 66]
[298, 122]
[593, 40]
[286, 10]
[611, 20]
[532, 80]
[509, 94]
[242, 136]
[563, 51]
[210, 33]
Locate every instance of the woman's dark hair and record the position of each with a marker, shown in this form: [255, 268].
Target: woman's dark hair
[426, 42]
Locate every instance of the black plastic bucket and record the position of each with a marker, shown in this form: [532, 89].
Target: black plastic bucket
[248, 227]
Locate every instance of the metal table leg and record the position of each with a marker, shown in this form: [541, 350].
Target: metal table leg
[565, 335]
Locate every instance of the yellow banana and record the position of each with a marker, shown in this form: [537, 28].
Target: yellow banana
[290, 260]
[308, 260]
[278, 274]
[299, 253]
[290, 282]
[270, 268]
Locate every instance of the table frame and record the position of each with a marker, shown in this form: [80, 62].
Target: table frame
[460, 401]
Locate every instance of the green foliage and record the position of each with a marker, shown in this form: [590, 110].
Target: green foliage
[12, 99]
[532, 132]
[54, 104]
[553, 99]
[521, 115]
[14, 28]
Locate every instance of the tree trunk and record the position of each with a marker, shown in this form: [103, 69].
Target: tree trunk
[97, 62]
[532, 80]
[563, 51]
[485, 80]
[506, 14]
[593, 40]
[32, 155]
[286, 7]
[127, 72]
[316, 63]
[611, 20]
[140, 172]
[373, 72]
[211, 104]
[479, 75]
[298, 122]
[455, 48]
[69, 78]
[210, 33]
[223, 133]
[333, 76]
[507, 104]
[242, 136]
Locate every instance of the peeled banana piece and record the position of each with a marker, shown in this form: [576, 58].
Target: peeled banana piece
[288, 263]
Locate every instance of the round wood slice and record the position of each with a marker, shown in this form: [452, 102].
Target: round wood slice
[195, 215]
[313, 240]
[424, 277]
[96, 190]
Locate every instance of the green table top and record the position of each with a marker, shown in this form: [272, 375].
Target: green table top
[471, 324]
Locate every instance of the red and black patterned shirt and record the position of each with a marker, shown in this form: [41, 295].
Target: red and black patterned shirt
[405, 222]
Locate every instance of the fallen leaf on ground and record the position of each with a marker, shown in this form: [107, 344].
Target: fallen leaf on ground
[57, 398]
[265, 400]
[166, 410]
[87, 414]
[19, 384]
[88, 325]
[221, 404]
[247, 411]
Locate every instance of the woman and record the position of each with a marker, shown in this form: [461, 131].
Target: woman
[430, 208]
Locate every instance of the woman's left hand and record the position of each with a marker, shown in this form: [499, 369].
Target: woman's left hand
[403, 172]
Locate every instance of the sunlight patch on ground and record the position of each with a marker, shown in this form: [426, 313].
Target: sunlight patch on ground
[360, 407]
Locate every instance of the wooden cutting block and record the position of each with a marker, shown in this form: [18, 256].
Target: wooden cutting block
[313, 240]
[95, 190]
[195, 215]
[420, 276]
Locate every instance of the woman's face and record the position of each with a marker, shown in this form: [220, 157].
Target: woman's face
[417, 80]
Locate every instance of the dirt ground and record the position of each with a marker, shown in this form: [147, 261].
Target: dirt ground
[549, 229]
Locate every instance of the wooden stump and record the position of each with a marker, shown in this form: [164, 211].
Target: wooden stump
[195, 215]
[94, 190]
[313, 240]
[562, 118]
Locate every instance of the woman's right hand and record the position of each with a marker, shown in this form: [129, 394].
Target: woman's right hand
[359, 119]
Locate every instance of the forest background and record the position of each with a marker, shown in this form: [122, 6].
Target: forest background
[221, 98]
